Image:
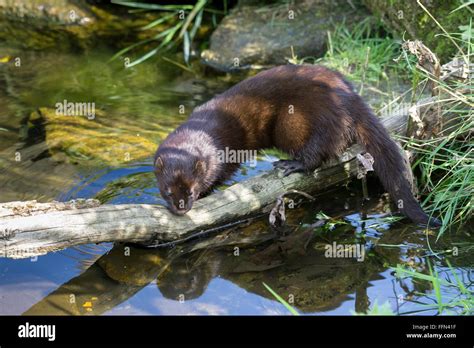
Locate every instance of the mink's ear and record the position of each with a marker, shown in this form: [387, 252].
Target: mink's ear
[158, 164]
[200, 167]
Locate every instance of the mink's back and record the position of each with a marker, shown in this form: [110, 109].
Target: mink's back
[282, 107]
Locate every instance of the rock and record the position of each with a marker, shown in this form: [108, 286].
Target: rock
[407, 19]
[68, 24]
[250, 35]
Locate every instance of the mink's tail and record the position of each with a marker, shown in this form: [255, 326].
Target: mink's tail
[390, 167]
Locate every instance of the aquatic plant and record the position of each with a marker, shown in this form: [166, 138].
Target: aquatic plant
[181, 24]
[449, 295]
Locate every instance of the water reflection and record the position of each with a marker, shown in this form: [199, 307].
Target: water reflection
[295, 266]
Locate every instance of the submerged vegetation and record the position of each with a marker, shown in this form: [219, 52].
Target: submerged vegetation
[443, 280]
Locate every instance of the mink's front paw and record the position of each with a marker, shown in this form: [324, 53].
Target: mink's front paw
[289, 166]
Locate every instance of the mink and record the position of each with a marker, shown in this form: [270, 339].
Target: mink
[308, 111]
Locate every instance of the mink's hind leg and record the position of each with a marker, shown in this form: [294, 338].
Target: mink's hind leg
[289, 166]
[295, 166]
[321, 146]
[305, 160]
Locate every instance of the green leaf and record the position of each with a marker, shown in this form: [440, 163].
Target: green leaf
[282, 301]
[196, 25]
[158, 21]
[152, 6]
[126, 49]
[144, 57]
[466, 32]
[200, 4]
[186, 47]
[466, 4]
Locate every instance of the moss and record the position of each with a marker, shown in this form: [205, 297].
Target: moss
[417, 24]
[77, 138]
[138, 268]
[23, 24]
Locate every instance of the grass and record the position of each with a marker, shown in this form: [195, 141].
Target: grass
[281, 300]
[447, 177]
[362, 53]
[446, 161]
[368, 57]
[181, 24]
[461, 302]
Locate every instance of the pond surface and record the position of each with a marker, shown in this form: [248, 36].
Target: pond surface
[47, 157]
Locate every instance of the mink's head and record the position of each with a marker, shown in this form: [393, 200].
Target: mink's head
[180, 180]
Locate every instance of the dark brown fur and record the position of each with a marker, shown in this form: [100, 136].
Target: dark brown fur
[327, 117]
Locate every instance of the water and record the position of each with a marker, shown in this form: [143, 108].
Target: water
[46, 157]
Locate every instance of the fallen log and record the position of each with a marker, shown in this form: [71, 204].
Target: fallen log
[29, 228]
